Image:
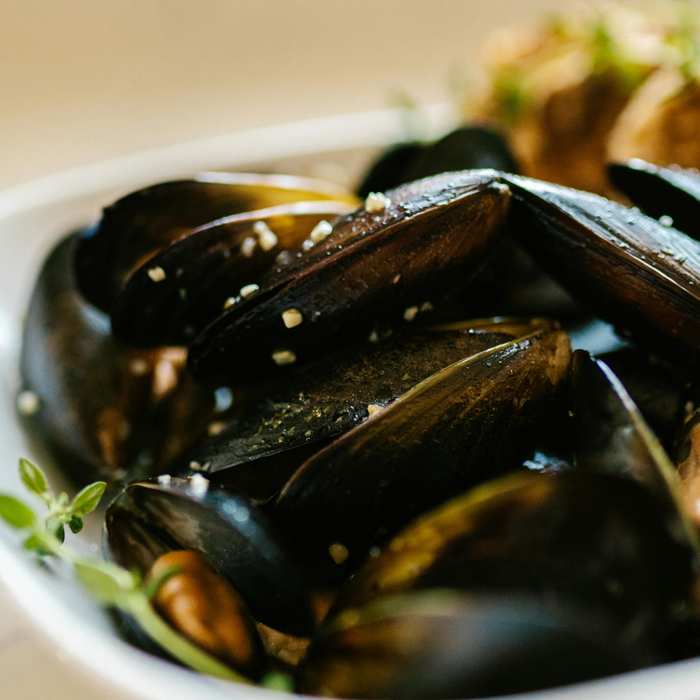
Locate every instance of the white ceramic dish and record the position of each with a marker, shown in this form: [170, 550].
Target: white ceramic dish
[32, 218]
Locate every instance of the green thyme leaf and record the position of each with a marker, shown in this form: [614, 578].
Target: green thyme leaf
[32, 477]
[275, 680]
[88, 499]
[15, 512]
[36, 544]
[75, 524]
[106, 582]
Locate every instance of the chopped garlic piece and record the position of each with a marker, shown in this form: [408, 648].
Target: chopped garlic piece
[666, 221]
[396, 279]
[410, 313]
[157, 274]
[248, 290]
[216, 427]
[284, 357]
[321, 231]
[28, 403]
[248, 246]
[164, 479]
[426, 306]
[266, 237]
[339, 552]
[199, 485]
[374, 408]
[374, 337]
[230, 302]
[292, 317]
[308, 244]
[376, 203]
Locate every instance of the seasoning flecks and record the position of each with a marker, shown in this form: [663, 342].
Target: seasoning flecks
[321, 231]
[376, 203]
[292, 317]
[248, 290]
[248, 246]
[410, 313]
[28, 402]
[157, 274]
[284, 357]
[266, 237]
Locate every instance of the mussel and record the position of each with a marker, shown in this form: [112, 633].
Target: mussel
[363, 417]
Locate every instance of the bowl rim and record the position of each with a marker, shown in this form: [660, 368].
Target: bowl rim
[103, 654]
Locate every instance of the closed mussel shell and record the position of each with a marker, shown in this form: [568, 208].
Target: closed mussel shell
[631, 270]
[376, 265]
[333, 395]
[598, 540]
[227, 530]
[206, 271]
[659, 191]
[461, 426]
[106, 409]
[144, 222]
[466, 148]
[442, 644]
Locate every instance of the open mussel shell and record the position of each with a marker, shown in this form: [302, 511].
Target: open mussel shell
[461, 426]
[687, 459]
[205, 271]
[612, 437]
[632, 271]
[443, 644]
[105, 409]
[149, 518]
[333, 395]
[659, 191]
[374, 266]
[659, 389]
[599, 540]
[144, 222]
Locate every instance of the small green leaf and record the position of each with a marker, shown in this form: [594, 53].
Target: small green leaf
[35, 544]
[32, 477]
[57, 530]
[88, 499]
[75, 524]
[15, 512]
[106, 582]
[275, 680]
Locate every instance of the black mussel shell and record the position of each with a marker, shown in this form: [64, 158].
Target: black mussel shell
[329, 397]
[687, 459]
[105, 409]
[466, 148]
[229, 531]
[612, 437]
[656, 386]
[375, 266]
[445, 645]
[390, 168]
[602, 541]
[144, 222]
[659, 191]
[461, 426]
[632, 271]
[207, 270]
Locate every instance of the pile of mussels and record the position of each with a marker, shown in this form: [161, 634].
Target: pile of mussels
[361, 485]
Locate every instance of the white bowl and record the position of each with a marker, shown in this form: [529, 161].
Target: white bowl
[36, 215]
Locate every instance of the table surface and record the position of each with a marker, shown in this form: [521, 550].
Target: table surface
[86, 80]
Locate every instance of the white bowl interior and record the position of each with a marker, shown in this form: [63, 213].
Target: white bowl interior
[32, 218]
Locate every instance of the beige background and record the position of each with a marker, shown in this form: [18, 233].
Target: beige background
[85, 80]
